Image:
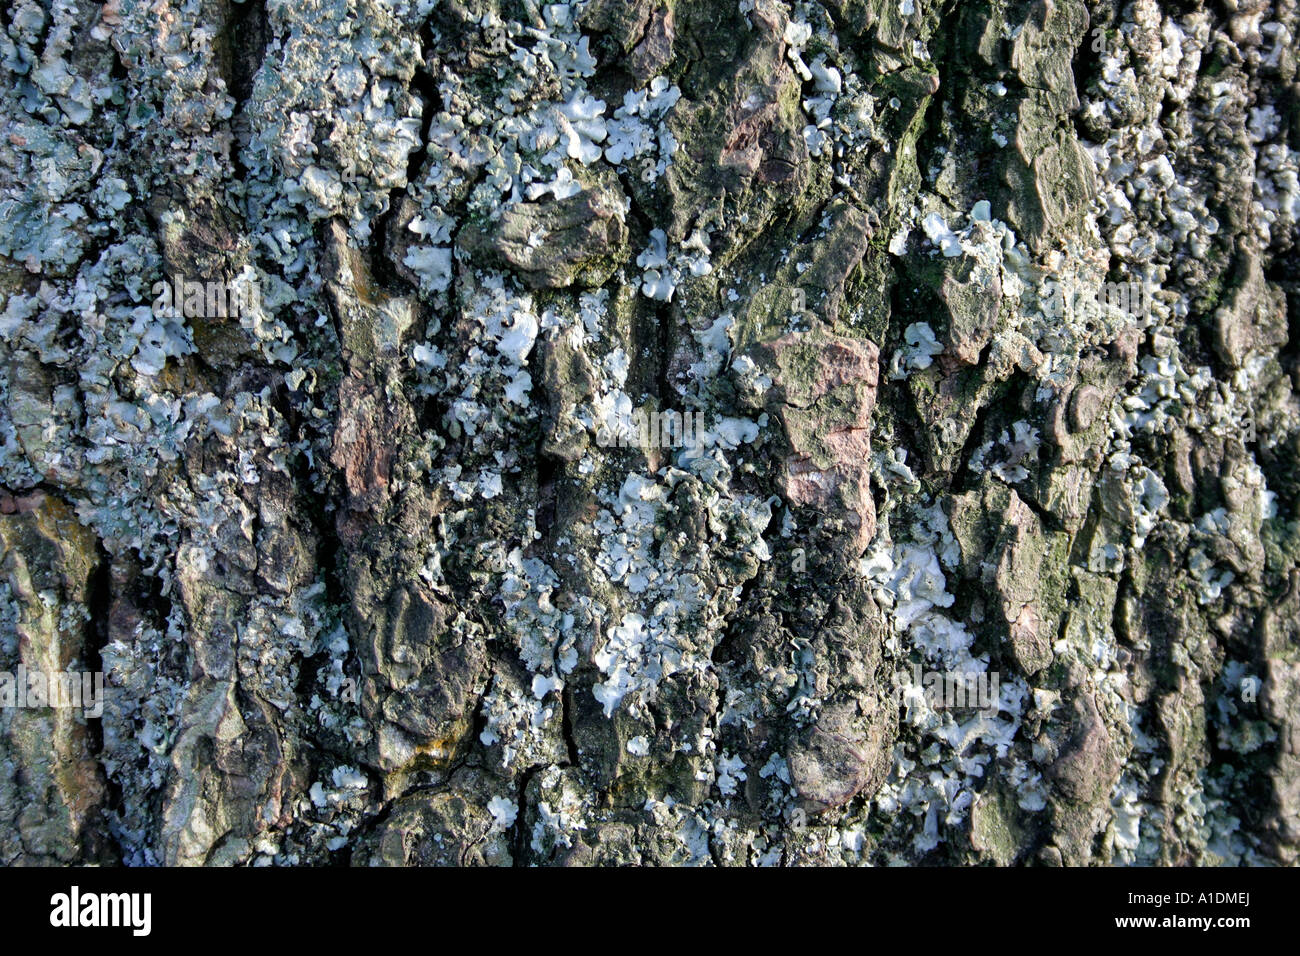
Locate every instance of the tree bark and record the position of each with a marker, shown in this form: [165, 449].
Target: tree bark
[737, 433]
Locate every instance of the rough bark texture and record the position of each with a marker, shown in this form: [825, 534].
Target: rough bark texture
[379, 566]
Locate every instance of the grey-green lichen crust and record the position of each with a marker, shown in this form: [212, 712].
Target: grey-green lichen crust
[381, 571]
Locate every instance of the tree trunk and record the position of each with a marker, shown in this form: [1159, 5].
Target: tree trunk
[746, 432]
